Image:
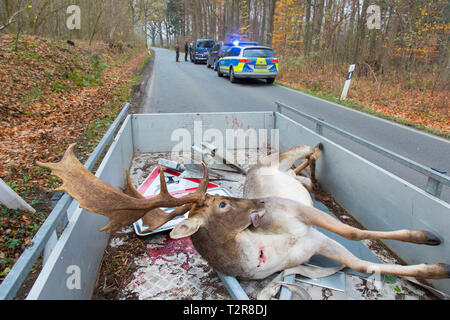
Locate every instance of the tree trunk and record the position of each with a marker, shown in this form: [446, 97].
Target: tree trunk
[360, 34]
[308, 24]
[271, 14]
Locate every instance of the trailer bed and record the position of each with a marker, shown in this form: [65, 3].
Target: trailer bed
[378, 199]
[157, 267]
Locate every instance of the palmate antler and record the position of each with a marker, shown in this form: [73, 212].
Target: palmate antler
[97, 196]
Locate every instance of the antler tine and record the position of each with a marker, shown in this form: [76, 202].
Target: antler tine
[157, 217]
[162, 181]
[130, 189]
[203, 187]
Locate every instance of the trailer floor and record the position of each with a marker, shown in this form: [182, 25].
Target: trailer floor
[157, 267]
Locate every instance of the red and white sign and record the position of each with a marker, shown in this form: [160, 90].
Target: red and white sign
[175, 185]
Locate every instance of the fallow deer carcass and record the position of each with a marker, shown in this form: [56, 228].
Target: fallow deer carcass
[267, 231]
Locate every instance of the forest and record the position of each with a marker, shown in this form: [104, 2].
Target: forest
[400, 47]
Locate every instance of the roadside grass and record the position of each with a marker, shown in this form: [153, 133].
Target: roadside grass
[354, 105]
[105, 81]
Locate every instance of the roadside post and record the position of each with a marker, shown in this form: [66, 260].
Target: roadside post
[347, 82]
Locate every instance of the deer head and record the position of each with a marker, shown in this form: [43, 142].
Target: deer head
[221, 217]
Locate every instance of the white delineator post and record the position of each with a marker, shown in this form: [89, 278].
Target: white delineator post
[348, 81]
[12, 200]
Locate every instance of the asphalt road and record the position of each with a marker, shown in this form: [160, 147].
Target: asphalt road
[186, 87]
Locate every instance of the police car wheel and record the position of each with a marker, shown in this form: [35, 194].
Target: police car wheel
[220, 74]
[270, 80]
[232, 77]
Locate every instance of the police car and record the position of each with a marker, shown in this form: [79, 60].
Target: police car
[249, 62]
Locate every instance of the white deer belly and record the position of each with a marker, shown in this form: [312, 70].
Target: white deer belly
[266, 254]
[271, 182]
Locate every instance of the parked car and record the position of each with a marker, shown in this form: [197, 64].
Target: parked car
[219, 50]
[249, 62]
[199, 51]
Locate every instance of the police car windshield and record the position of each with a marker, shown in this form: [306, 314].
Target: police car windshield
[258, 53]
[205, 44]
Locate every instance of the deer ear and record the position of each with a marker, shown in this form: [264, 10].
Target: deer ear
[186, 228]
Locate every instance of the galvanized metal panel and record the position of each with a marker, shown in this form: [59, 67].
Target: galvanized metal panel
[376, 198]
[437, 176]
[233, 287]
[21, 268]
[81, 244]
[153, 132]
[12, 200]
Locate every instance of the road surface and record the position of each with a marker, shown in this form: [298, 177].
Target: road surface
[186, 87]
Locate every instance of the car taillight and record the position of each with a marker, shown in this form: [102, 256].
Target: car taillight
[274, 60]
[244, 60]
[196, 52]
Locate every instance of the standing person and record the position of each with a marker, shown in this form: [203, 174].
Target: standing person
[186, 50]
[177, 49]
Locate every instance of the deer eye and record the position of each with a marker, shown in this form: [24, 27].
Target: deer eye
[222, 205]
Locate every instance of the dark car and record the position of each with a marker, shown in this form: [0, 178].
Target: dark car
[199, 51]
[219, 50]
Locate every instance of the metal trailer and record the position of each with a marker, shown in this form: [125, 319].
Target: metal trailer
[376, 198]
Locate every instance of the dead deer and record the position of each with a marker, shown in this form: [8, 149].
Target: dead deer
[267, 231]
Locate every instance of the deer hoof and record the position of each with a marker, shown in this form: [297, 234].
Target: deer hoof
[432, 239]
[446, 268]
[320, 146]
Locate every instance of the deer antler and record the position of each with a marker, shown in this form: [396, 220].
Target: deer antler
[97, 196]
[157, 217]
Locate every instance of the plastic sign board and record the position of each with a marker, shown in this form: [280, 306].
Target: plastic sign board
[177, 187]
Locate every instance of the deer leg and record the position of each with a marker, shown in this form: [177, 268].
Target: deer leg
[313, 159]
[303, 166]
[337, 252]
[316, 217]
[273, 287]
[311, 162]
[306, 182]
[288, 157]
